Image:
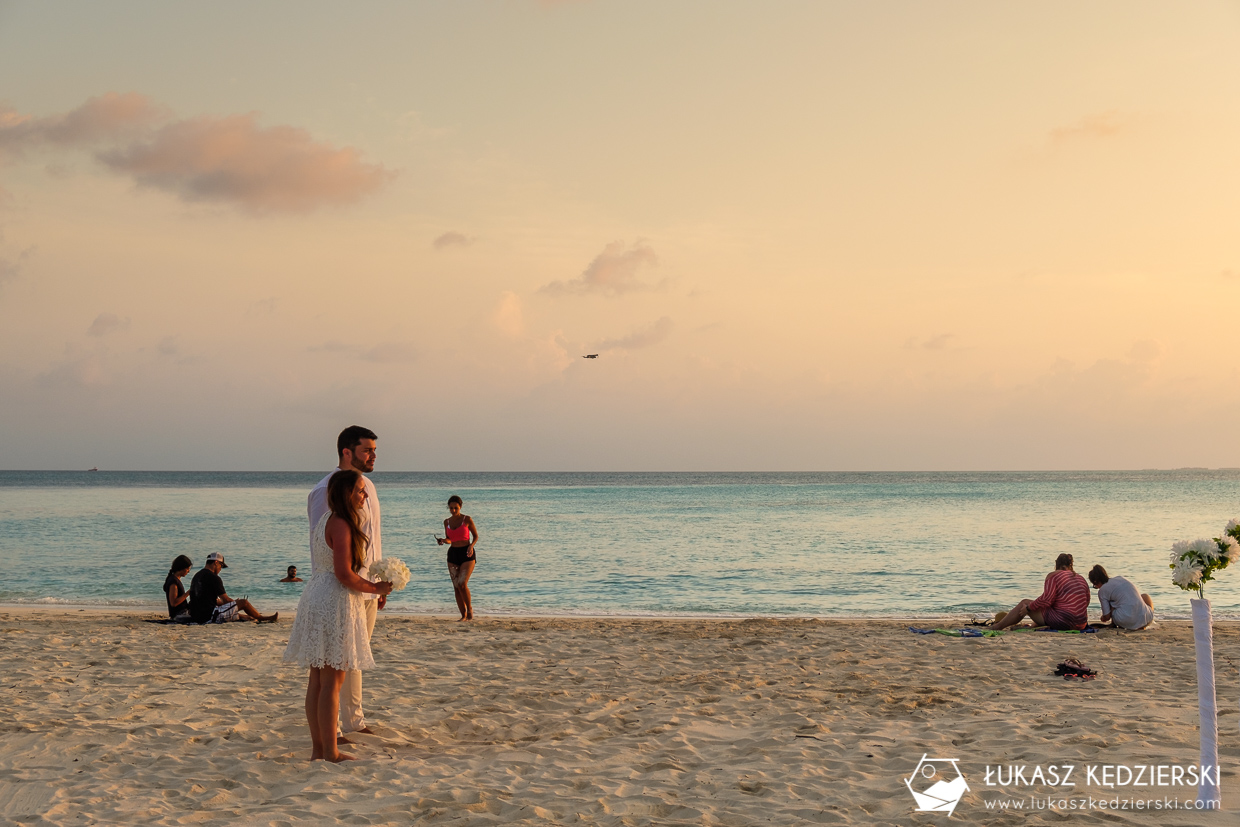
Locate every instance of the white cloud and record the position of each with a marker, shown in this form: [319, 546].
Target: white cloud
[612, 272]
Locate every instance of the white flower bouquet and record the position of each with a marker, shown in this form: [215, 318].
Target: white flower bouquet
[1194, 563]
[390, 570]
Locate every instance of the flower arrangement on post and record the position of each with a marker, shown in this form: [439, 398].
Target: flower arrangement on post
[1193, 564]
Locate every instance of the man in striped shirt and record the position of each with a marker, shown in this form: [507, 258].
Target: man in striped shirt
[1063, 605]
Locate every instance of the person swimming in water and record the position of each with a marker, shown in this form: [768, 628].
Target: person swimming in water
[462, 535]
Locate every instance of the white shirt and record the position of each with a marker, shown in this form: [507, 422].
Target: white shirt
[316, 507]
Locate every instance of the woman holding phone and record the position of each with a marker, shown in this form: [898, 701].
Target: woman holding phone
[462, 534]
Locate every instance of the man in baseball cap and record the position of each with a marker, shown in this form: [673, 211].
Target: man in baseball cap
[210, 603]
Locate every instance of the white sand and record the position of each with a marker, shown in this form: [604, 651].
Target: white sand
[112, 720]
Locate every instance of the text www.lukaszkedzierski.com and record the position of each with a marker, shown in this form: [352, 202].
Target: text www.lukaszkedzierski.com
[1091, 803]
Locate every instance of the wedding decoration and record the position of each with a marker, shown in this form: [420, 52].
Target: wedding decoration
[392, 570]
[1193, 564]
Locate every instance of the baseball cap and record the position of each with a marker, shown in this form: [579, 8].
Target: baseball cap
[215, 555]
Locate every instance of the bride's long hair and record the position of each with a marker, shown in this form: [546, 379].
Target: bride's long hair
[339, 489]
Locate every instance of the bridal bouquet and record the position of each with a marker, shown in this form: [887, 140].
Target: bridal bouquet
[391, 570]
[1194, 563]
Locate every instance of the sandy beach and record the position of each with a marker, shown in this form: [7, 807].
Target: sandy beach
[112, 720]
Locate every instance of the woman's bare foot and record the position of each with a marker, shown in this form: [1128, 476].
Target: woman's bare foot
[270, 618]
[342, 756]
[341, 740]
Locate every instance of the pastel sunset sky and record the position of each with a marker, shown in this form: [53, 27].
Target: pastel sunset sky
[799, 235]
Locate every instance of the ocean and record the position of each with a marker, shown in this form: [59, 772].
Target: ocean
[660, 544]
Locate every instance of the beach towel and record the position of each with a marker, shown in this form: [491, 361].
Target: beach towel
[993, 632]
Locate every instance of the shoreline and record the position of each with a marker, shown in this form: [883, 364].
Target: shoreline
[954, 618]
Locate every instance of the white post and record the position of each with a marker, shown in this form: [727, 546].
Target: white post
[1203, 634]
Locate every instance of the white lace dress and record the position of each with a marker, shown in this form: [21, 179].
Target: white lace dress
[330, 627]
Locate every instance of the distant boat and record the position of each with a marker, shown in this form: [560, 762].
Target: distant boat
[91, 469]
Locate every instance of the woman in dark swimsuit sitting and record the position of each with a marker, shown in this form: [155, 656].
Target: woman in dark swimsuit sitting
[177, 597]
[462, 534]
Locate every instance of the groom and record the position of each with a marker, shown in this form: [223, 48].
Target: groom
[356, 449]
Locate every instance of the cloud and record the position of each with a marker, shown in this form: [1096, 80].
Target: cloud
[382, 353]
[612, 272]
[230, 159]
[509, 317]
[11, 269]
[233, 160]
[391, 352]
[107, 117]
[263, 307]
[937, 342]
[1102, 125]
[647, 336]
[451, 239]
[106, 323]
[168, 346]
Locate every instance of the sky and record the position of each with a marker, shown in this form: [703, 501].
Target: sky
[799, 236]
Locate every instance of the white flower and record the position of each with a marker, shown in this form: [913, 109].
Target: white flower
[392, 570]
[1232, 525]
[1178, 550]
[1205, 550]
[1187, 574]
[1229, 549]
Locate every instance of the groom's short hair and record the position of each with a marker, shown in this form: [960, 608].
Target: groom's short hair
[351, 436]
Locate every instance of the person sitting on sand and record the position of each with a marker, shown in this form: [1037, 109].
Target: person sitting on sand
[210, 603]
[1122, 603]
[1063, 605]
[292, 576]
[177, 597]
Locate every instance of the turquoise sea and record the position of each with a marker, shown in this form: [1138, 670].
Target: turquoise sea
[774, 544]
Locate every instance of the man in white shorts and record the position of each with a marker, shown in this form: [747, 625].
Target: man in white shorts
[356, 450]
[210, 603]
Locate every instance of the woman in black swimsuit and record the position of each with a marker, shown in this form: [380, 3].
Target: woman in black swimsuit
[177, 597]
[462, 534]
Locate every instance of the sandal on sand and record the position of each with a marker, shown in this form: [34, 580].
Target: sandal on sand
[1072, 668]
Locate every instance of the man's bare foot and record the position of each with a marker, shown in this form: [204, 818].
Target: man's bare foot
[269, 618]
[365, 730]
[461, 618]
[340, 739]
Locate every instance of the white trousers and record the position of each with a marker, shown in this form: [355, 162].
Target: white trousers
[351, 718]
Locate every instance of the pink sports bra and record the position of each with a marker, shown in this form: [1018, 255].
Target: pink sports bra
[460, 534]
